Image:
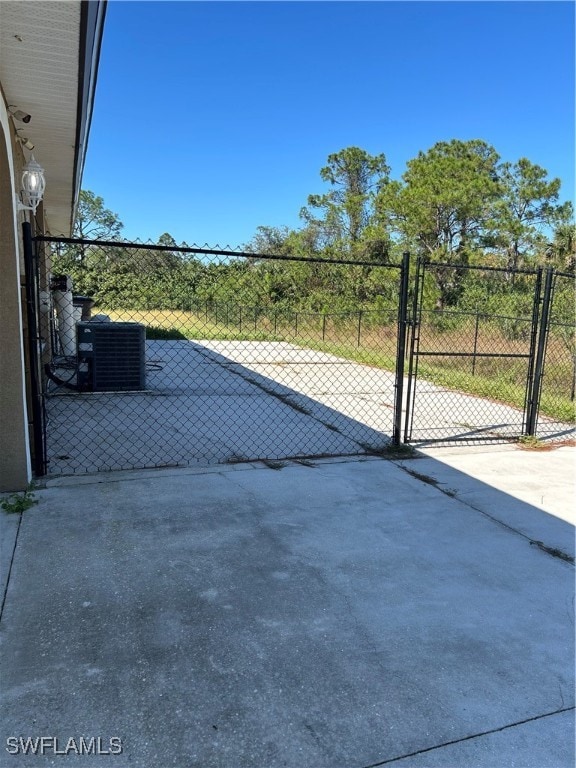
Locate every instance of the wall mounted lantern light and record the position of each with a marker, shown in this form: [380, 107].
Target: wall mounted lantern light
[33, 185]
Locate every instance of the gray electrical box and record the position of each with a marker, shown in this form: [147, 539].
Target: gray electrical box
[111, 357]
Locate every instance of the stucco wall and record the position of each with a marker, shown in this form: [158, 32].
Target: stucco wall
[15, 464]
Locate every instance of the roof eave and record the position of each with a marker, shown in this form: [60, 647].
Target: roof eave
[93, 13]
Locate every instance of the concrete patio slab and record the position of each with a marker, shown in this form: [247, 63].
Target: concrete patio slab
[104, 431]
[542, 741]
[200, 408]
[346, 614]
[9, 524]
[544, 479]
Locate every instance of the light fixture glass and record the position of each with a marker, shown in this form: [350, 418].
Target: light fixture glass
[33, 184]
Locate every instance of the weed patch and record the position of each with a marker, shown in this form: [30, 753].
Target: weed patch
[531, 443]
[274, 464]
[19, 502]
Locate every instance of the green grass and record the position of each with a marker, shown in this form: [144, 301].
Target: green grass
[155, 332]
[175, 324]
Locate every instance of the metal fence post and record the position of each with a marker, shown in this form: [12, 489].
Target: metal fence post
[544, 327]
[31, 272]
[401, 348]
[475, 343]
[416, 319]
[359, 328]
[532, 351]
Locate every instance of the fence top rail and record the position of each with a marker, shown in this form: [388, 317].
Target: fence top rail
[479, 267]
[209, 251]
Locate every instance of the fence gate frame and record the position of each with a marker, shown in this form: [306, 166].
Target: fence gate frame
[403, 325]
[541, 324]
[536, 355]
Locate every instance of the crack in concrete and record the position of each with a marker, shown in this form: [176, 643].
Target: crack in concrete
[12, 558]
[552, 551]
[468, 738]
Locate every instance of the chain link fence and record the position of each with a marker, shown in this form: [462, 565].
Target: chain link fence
[197, 356]
[162, 355]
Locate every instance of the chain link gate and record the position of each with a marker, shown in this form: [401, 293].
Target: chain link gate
[475, 375]
[554, 399]
[175, 367]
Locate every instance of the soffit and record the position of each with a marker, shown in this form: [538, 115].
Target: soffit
[39, 70]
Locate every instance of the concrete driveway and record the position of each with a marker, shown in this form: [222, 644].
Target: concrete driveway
[326, 614]
[211, 402]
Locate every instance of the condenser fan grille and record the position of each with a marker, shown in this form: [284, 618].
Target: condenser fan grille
[111, 356]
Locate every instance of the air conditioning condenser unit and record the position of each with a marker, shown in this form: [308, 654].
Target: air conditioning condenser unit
[111, 357]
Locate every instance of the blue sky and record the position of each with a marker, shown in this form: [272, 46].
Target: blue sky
[212, 118]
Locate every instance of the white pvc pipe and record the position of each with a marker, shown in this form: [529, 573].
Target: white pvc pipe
[66, 322]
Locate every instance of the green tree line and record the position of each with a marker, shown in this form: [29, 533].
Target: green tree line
[457, 203]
